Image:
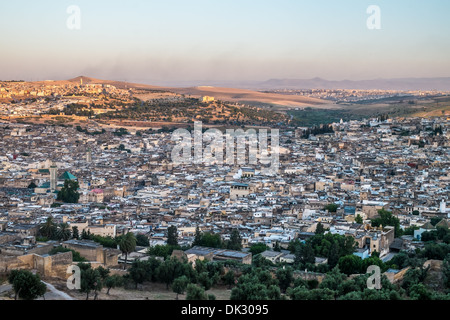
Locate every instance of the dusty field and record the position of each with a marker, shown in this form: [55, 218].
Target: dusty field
[246, 96]
[147, 291]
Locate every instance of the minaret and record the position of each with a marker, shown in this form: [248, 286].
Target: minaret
[53, 179]
[89, 156]
[443, 206]
[81, 81]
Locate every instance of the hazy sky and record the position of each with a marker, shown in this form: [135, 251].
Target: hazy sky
[168, 41]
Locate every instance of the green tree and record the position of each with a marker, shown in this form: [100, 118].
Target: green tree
[104, 272]
[194, 292]
[91, 280]
[419, 292]
[320, 228]
[139, 272]
[302, 293]
[350, 264]
[257, 248]
[333, 255]
[32, 185]
[113, 281]
[169, 270]
[333, 279]
[359, 219]
[413, 277]
[388, 219]
[69, 193]
[305, 254]
[127, 244]
[48, 229]
[211, 240]
[332, 207]
[235, 242]
[172, 236]
[435, 220]
[84, 235]
[26, 285]
[198, 237]
[179, 285]
[285, 277]
[142, 240]
[75, 232]
[257, 284]
[63, 232]
[204, 280]
[163, 251]
[229, 278]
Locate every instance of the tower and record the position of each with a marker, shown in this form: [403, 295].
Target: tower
[81, 81]
[443, 206]
[89, 156]
[53, 177]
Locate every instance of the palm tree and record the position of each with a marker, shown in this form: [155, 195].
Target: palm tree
[63, 232]
[48, 228]
[127, 244]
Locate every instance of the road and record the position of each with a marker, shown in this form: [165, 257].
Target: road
[55, 294]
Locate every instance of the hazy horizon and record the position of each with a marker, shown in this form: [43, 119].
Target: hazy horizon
[211, 41]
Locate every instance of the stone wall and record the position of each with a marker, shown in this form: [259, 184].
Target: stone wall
[8, 263]
[45, 266]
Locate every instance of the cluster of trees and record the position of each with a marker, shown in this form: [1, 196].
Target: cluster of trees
[26, 285]
[329, 246]
[52, 231]
[258, 248]
[86, 131]
[94, 280]
[316, 130]
[440, 234]
[332, 207]
[76, 109]
[386, 218]
[165, 251]
[262, 282]
[189, 109]
[180, 275]
[69, 193]
[336, 286]
[352, 264]
[121, 132]
[211, 240]
[258, 284]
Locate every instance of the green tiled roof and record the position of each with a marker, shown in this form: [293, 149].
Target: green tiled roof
[45, 185]
[67, 176]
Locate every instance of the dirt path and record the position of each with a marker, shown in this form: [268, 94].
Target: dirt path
[55, 294]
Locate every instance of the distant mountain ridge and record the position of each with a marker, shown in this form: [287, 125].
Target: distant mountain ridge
[441, 84]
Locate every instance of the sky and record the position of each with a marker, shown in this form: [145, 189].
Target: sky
[181, 41]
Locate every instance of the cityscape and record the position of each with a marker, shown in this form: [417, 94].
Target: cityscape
[116, 188]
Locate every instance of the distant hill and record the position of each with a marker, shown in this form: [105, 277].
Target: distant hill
[219, 93]
[441, 84]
